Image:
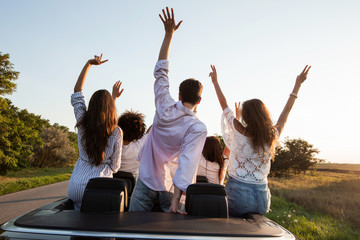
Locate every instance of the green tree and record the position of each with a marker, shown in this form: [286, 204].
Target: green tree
[71, 135]
[7, 75]
[56, 150]
[22, 132]
[19, 133]
[296, 156]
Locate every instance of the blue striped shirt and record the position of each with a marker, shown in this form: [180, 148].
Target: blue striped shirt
[84, 170]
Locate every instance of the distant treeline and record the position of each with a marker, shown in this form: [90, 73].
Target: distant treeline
[27, 140]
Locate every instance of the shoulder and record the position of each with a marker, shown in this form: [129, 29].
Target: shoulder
[198, 126]
[117, 133]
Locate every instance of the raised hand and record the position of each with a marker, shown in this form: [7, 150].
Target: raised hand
[303, 75]
[213, 74]
[116, 92]
[97, 60]
[293, 95]
[219, 93]
[238, 111]
[169, 21]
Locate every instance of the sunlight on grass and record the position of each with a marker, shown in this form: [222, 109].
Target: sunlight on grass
[33, 177]
[309, 225]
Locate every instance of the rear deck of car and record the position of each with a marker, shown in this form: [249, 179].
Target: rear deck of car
[53, 220]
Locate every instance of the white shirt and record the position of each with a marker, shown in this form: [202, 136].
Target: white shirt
[175, 142]
[129, 154]
[211, 170]
[245, 163]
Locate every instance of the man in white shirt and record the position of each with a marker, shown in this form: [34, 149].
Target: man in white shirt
[171, 153]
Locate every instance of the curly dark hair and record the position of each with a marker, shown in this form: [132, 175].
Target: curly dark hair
[133, 125]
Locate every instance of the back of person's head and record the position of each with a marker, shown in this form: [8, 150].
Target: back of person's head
[133, 125]
[258, 125]
[190, 91]
[98, 123]
[213, 151]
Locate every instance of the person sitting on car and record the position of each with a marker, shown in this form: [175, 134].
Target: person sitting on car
[213, 163]
[170, 155]
[251, 137]
[99, 137]
[133, 126]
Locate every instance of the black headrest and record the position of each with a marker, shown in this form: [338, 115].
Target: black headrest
[207, 200]
[104, 194]
[105, 183]
[206, 188]
[200, 179]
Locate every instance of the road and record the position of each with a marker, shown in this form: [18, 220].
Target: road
[15, 204]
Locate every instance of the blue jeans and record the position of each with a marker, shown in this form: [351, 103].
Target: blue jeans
[143, 198]
[246, 198]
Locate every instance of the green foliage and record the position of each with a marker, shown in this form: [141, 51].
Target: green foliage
[56, 150]
[7, 75]
[296, 155]
[19, 132]
[71, 135]
[22, 132]
[307, 224]
[33, 177]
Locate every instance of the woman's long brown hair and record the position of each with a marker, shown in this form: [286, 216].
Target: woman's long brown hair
[213, 152]
[98, 122]
[258, 126]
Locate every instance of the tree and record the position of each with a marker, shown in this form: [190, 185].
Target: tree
[7, 75]
[296, 155]
[22, 132]
[56, 151]
[19, 132]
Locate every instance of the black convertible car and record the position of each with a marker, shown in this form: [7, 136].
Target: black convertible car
[104, 215]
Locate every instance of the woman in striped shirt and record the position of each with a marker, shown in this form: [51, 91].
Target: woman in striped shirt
[99, 137]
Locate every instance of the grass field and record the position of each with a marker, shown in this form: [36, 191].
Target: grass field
[326, 194]
[31, 178]
[349, 167]
[309, 225]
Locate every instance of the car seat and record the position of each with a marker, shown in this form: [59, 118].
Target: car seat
[207, 200]
[104, 194]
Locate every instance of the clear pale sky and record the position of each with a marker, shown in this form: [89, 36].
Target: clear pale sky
[258, 47]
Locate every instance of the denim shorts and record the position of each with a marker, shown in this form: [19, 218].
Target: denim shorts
[246, 198]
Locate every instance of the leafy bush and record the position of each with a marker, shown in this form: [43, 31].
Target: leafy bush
[56, 150]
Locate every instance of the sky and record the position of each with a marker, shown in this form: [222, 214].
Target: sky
[258, 48]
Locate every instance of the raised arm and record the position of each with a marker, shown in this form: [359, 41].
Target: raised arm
[117, 91]
[170, 28]
[219, 93]
[81, 80]
[289, 104]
